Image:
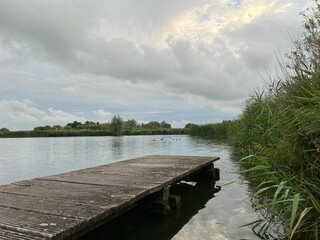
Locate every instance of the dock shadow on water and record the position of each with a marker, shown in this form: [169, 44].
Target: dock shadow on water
[137, 224]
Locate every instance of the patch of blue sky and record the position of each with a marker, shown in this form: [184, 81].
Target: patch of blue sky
[234, 3]
[204, 17]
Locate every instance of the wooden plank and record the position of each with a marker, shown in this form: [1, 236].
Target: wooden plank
[82, 193]
[136, 167]
[143, 172]
[171, 160]
[108, 180]
[34, 224]
[50, 206]
[175, 159]
[157, 159]
[11, 235]
[63, 205]
[139, 176]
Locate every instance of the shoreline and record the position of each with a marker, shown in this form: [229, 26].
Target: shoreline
[91, 133]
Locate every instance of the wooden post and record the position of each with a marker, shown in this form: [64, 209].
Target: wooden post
[158, 203]
[175, 201]
[210, 172]
[216, 172]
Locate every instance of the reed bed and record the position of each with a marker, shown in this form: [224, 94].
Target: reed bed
[279, 130]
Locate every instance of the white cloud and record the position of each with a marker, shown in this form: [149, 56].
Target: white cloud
[103, 114]
[25, 114]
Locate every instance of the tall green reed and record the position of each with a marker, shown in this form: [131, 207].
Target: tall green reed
[283, 126]
[213, 130]
[288, 207]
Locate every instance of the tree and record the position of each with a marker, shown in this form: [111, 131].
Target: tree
[42, 128]
[116, 125]
[105, 125]
[164, 124]
[130, 123]
[4, 130]
[56, 127]
[152, 125]
[75, 124]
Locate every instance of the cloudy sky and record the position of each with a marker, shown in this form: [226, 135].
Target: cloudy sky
[175, 60]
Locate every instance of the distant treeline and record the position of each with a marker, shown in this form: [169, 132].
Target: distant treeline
[79, 133]
[116, 127]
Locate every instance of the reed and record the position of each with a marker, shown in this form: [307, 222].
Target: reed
[214, 130]
[283, 126]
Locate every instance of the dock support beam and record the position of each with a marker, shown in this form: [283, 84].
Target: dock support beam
[206, 172]
[175, 201]
[158, 203]
[210, 171]
[161, 202]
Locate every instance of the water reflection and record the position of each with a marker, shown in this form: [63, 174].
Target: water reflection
[116, 147]
[138, 225]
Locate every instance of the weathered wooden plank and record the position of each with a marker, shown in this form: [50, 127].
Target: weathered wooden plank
[173, 159]
[137, 176]
[81, 193]
[146, 166]
[165, 160]
[157, 159]
[11, 235]
[108, 180]
[145, 173]
[158, 166]
[34, 224]
[50, 206]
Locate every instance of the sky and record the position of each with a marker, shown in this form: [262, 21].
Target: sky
[175, 60]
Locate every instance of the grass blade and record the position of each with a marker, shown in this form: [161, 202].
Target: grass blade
[297, 225]
[295, 204]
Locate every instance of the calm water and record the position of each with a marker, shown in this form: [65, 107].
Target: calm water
[205, 214]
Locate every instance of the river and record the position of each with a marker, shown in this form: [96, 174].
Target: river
[206, 213]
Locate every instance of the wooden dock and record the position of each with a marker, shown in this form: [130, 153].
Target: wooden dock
[67, 205]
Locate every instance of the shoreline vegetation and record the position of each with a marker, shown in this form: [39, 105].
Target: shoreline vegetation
[279, 132]
[92, 133]
[117, 127]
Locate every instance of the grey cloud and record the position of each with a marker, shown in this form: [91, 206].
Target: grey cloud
[122, 59]
[41, 26]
